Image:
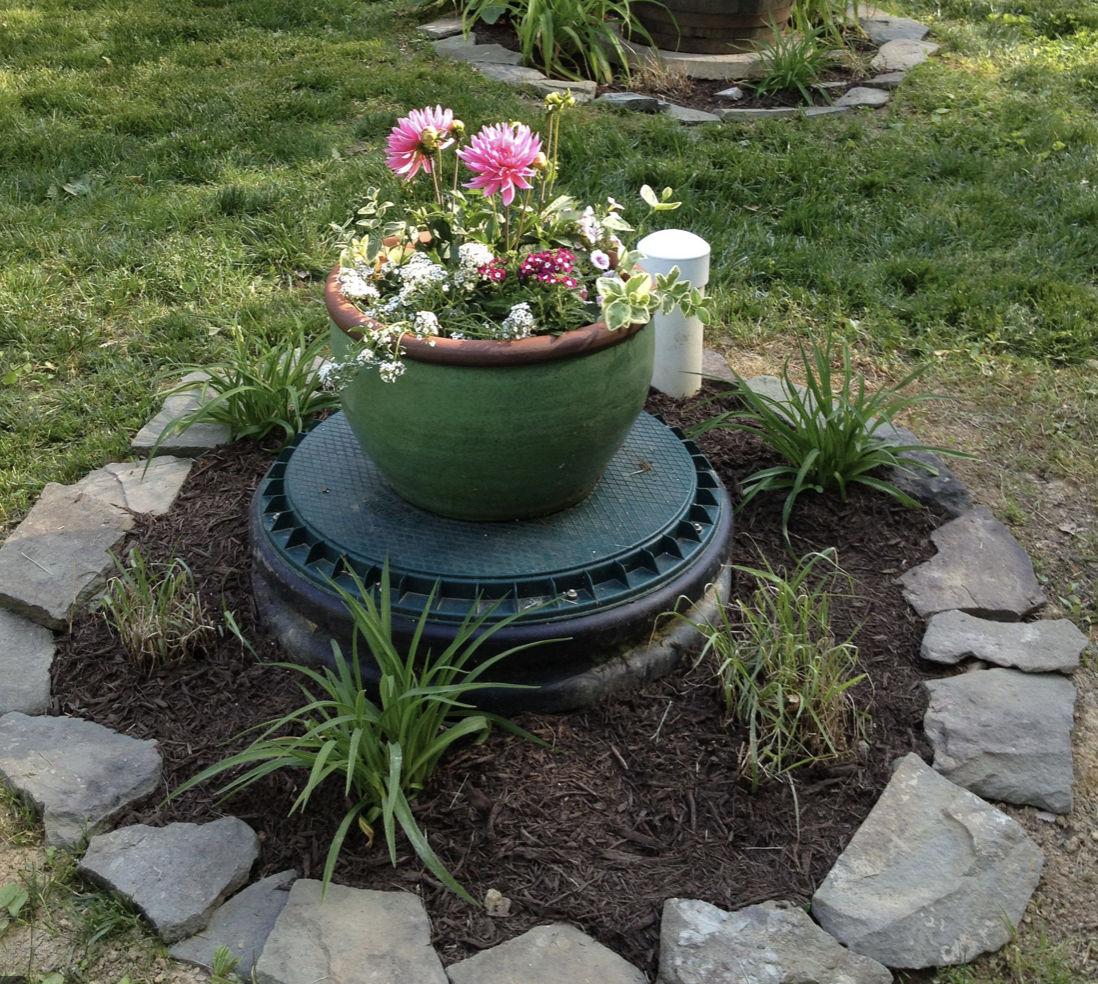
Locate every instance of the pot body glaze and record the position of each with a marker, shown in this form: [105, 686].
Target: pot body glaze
[496, 430]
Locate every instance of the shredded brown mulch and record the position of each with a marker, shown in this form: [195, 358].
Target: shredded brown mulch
[637, 802]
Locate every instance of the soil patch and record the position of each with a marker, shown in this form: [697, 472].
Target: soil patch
[674, 86]
[637, 802]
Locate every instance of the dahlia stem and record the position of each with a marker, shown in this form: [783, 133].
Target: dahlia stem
[434, 177]
[522, 217]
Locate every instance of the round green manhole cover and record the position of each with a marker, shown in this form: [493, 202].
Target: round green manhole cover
[323, 509]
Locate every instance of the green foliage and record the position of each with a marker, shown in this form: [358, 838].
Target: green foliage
[12, 899]
[565, 37]
[827, 435]
[793, 61]
[258, 390]
[834, 18]
[383, 752]
[783, 675]
[156, 611]
[221, 972]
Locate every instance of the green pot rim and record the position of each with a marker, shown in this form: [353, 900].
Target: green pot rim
[478, 351]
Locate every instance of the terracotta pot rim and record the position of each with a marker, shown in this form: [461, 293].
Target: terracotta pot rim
[479, 351]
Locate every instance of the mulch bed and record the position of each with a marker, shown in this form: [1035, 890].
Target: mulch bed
[676, 87]
[637, 802]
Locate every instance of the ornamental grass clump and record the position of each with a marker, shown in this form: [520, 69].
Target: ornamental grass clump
[382, 752]
[783, 675]
[833, 433]
[156, 611]
[501, 256]
[257, 390]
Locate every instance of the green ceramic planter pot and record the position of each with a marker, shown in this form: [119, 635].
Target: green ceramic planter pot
[486, 430]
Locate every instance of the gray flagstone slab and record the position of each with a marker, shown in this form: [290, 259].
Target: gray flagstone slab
[771, 943]
[1049, 645]
[546, 955]
[353, 936]
[979, 569]
[77, 774]
[130, 485]
[26, 654]
[933, 877]
[56, 560]
[176, 875]
[1005, 735]
[242, 925]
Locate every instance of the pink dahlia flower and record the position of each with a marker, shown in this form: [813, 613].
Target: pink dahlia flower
[502, 155]
[414, 140]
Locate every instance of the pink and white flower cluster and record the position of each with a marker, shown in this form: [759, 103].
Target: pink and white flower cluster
[506, 258]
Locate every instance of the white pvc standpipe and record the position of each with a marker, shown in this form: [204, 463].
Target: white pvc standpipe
[679, 343]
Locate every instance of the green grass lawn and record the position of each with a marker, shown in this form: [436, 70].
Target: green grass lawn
[169, 171]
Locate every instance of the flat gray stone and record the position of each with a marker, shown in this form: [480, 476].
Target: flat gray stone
[933, 877]
[546, 955]
[583, 91]
[863, 96]
[77, 774]
[511, 74]
[195, 440]
[939, 488]
[175, 875]
[355, 936]
[979, 568]
[715, 364]
[884, 28]
[835, 110]
[890, 80]
[242, 925]
[901, 56]
[774, 389]
[684, 114]
[56, 560]
[467, 50]
[733, 113]
[630, 100]
[444, 27]
[26, 654]
[1051, 645]
[772, 943]
[132, 486]
[1005, 735]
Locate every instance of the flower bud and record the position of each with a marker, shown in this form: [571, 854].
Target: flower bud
[457, 128]
[429, 139]
[540, 163]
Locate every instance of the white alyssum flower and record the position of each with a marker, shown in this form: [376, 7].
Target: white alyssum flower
[519, 323]
[474, 254]
[334, 375]
[420, 268]
[425, 323]
[391, 370]
[355, 287]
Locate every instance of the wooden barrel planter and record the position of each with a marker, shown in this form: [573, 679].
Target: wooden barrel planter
[712, 27]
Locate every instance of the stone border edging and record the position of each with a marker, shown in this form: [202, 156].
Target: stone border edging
[1002, 854]
[901, 47]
